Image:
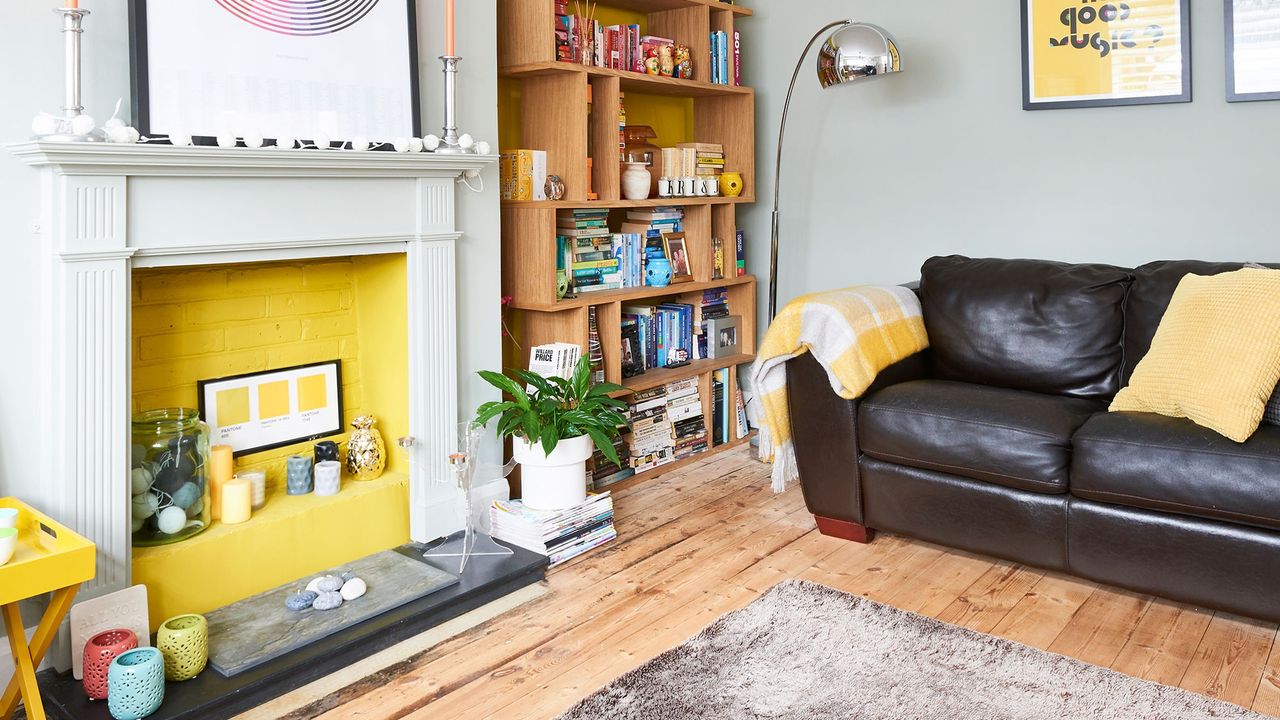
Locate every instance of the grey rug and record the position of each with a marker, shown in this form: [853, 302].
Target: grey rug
[807, 651]
[245, 634]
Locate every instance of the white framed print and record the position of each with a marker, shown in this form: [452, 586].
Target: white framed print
[1253, 49]
[270, 409]
[305, 69]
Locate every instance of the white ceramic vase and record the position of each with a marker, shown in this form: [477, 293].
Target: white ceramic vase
[557, 481]
[635, 181]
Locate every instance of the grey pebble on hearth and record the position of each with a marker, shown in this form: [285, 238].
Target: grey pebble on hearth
[327, 601]
[300, 600]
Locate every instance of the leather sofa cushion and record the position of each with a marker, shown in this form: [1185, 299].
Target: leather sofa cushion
[1032, 325]
[1153, 286]
[1013, 438]
[1149, 461]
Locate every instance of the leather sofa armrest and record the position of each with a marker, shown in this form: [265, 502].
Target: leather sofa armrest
[824, 431]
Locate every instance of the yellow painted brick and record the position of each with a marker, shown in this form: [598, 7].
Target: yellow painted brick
[263, 334]
[314, 328]
[325, 274]
[181, 344]
[160, 374]
[227, 309]
[184, 397]
[344, 299]
[180, 285]
[305, 303]
[352, 397]
[350, 371]
[149, 319]
[302, 353]
[264, 277]
[349, 348]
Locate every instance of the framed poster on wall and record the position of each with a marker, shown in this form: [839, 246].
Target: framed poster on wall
[295, 68]
[1253, 49]
[1092, 53]
[264, 410]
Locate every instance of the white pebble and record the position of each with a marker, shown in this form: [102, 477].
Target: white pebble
[314, 585]
[353, 589]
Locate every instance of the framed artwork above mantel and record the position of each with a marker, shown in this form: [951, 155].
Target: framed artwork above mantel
[1253, 49]
[1096, 53]
[304, 68]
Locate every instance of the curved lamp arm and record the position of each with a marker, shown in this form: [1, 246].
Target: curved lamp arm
[777, 171]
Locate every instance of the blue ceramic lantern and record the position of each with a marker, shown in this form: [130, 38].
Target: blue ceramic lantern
[657, 272]
[135, 683]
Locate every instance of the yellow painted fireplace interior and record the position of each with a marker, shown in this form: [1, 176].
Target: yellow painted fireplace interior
[206, 322]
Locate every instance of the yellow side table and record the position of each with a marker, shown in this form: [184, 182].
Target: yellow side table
[50, 558]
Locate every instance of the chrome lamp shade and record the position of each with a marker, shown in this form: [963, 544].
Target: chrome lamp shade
[856, 51]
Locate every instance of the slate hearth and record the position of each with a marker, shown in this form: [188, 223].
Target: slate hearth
[214, 697]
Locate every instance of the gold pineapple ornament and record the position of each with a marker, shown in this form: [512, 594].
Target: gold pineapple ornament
[366, 453]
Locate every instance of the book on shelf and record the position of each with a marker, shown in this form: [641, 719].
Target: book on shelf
[649, 442]
[693, 159]
[594, 258]
[737, 58]
[522, 174]
[684, 411]
[558, 534]
[740, 411]
[554, 359]
[715, 304]
[740, 253]
[720, 72]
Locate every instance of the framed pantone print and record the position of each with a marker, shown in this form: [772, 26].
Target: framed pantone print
[1091, 53]
[1253, 49]
[265, 410]
[302, 69]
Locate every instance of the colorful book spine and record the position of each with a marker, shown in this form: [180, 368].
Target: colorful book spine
[737, 58]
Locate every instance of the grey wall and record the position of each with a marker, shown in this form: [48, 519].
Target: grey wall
[942, 159]
[30, 53]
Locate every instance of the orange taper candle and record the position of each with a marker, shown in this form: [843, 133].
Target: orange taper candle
[448, 28]
[73, 3]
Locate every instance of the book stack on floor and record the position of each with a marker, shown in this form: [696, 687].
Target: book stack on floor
[715, 304]
[585, 248]
[604, 472]
[684, 411]
[558, 534]
[649, 440]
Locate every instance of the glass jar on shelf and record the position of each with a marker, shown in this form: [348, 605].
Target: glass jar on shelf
[169, 477]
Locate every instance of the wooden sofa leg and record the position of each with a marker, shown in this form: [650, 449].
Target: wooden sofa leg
[844, 529]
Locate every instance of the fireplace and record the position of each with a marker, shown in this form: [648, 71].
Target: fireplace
[118, 217]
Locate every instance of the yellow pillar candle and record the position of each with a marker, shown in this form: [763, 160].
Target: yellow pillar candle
[237, 501]
[220, 471]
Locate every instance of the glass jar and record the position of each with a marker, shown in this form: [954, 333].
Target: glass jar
[169, 479]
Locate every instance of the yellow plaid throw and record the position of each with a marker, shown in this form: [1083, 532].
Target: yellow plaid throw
[854, 333]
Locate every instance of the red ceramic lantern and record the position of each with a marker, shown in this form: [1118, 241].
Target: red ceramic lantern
[98, 654]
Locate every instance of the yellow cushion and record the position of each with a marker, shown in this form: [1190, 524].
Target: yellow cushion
[1215, 358]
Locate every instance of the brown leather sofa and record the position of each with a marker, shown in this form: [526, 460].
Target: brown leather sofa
[997, 440]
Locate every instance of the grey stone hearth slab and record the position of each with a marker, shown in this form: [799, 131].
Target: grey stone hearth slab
[252, 631]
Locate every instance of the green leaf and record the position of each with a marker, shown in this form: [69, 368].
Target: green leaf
[535, 380]
[550, 438]
[505, 384]
[604, 446]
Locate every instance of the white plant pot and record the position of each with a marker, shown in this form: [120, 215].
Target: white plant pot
[557, 481]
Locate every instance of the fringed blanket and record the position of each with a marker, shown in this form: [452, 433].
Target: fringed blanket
[854, 333]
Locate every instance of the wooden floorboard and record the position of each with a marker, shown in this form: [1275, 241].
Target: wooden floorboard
[708, 539]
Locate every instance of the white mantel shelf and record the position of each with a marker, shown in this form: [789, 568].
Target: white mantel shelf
[107, 209]
[205, 161]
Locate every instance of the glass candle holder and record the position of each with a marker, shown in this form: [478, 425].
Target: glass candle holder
[169, 479]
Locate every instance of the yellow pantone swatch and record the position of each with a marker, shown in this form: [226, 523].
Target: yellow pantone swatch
[233, 406]
[273, 399]
[312, 392]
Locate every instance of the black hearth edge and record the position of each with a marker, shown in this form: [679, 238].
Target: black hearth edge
[210, 696]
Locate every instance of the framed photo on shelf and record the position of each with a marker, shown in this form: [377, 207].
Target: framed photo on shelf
[1079, 53]
[1253, 49]
[678, 253]
[338, 68]
[722, 336]
[264, 410]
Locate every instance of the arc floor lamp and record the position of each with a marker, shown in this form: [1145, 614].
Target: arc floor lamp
[854, 51]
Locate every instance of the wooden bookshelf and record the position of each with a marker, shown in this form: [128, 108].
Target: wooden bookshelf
[546, 107]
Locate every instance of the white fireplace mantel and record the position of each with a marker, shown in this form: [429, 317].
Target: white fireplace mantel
[106, 209]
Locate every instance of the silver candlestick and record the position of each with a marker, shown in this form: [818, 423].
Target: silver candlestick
[449, 143]
[72, 107]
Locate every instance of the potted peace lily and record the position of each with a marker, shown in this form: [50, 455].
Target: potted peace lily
[553, 427]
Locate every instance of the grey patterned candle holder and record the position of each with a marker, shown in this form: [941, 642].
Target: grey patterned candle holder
[298, 474]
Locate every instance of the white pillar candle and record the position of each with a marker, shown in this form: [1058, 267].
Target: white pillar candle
[257, 480]
[328, 477]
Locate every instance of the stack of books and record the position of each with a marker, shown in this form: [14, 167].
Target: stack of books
[604, 472]
[708, 158]
[684, 411]
[558, 534]
[585, 248]
[660, 335]
[724, 58]
[715, 304]
[649, 439]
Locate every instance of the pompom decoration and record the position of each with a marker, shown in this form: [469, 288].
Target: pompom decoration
[253, 140]
[226, 141]
[114, 122]
[286, 142]
[322, 141]
[430, 143]
[171, 520]
[178, 138]
[117, 135]
[415, 144]
[401, 144]
[134, 135]
[44, 124]
[82, 124]
[359, 143]
[483, 148]
[465, 141]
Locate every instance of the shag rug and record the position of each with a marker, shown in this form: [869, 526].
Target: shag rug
[806, 651]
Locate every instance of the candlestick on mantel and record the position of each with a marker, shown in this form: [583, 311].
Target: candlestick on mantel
[448, 28]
